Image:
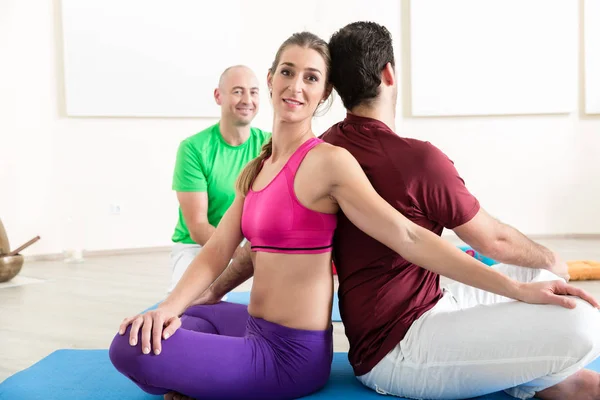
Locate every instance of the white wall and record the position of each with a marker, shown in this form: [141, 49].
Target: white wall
[53, 167]
[540, 178]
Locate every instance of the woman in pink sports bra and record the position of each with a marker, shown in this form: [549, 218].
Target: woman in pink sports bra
[280, 346]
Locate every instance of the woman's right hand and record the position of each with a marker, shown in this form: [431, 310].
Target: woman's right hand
[155, 324]
[553, 292]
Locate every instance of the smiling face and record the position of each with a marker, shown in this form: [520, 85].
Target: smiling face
[238, 95]
[298, 84]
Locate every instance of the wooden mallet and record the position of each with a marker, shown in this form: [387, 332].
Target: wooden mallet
[23, 247]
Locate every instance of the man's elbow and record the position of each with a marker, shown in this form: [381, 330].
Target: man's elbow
[200, 232]
[196, 238]
[490, 248]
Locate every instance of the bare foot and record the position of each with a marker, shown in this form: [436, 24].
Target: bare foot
[176, 396]
[582, 385]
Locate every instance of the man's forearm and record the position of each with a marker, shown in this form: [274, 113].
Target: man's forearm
[239, 271]
[200, 233]
[512, 247]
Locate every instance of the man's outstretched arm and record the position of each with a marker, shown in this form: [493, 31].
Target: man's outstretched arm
[506, 244]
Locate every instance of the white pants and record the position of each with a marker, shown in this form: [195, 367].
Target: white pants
[182, 255]
[474, 342]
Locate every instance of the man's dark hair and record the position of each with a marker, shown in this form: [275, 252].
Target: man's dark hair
[359, 52]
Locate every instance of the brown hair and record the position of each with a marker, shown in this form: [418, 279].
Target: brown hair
[301, 39]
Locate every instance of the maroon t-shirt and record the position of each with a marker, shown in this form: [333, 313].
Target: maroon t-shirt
[380, 293]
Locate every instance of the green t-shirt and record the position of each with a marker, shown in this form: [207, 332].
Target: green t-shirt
[207, 163]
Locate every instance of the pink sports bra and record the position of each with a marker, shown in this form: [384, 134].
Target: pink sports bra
[274, 221]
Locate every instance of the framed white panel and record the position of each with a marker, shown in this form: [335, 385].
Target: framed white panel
[148, 58]
[493, 57]
[592, 56]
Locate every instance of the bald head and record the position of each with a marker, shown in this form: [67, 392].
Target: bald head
[236, 70]
[238, 95]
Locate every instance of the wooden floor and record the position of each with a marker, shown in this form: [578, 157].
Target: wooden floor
[80, 306]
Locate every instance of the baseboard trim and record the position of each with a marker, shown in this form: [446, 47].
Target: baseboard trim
[163, 249]
[578, 236]
[101, 253]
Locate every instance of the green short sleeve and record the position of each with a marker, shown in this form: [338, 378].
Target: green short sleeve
[188, 175]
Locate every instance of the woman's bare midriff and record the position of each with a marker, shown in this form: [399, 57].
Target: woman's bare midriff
[293, 290]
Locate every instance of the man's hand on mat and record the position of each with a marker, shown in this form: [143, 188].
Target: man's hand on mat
[156, 325]
[553, 292]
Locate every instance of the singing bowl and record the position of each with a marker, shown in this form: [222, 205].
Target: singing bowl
[4, 244]
[10, 266]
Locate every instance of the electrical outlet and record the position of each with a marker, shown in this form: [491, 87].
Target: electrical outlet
[114, 209]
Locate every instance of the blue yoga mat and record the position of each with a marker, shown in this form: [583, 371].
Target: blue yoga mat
[244, 298]
[88, 374]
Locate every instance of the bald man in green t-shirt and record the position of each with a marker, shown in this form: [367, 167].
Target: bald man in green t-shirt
[208, 164]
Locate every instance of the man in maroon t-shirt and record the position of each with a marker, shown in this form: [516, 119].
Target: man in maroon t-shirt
[382, 295]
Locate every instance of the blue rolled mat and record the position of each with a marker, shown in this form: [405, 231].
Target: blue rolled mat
[473, 253]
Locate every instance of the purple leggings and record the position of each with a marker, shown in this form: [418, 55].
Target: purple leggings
[221, 352]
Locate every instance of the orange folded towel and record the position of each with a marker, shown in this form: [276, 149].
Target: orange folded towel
[584, 270]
